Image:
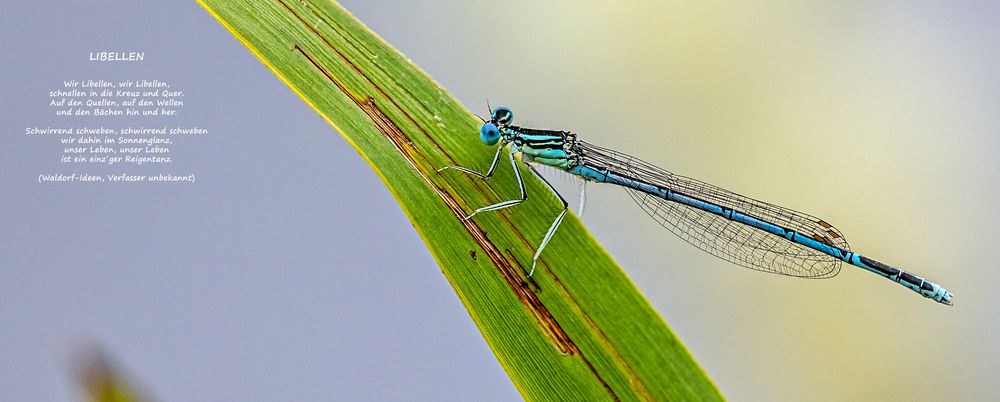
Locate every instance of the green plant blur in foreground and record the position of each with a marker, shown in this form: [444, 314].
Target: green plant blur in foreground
[577, 330]
[100, 380]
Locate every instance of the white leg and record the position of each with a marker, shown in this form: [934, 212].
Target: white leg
[508, 203]
[583, 198]
[493, 167]
[555, 223]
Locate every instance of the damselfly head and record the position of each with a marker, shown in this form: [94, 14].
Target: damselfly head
[501, 116]
[489, 133]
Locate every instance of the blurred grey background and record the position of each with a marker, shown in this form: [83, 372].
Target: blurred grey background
[268, 279]
[286, 272]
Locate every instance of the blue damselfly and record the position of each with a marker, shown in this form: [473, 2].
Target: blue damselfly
[739, 229]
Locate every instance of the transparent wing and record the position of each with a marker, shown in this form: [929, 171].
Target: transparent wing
[732, 241]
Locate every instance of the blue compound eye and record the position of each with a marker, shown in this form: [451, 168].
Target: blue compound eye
[502, 115]
[489, 134]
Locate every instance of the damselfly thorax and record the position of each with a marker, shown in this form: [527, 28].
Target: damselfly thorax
[546, 147]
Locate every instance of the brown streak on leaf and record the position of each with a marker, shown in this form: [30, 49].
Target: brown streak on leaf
[385, 94]
[639, 386]
[370, 81]
[358, 45]
[405, 147]
[522, 289]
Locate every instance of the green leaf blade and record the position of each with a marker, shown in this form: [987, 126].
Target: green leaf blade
[578, 329]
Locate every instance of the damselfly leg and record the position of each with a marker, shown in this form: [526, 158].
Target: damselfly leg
[508, 203]
[493, 167]
[524, 196]
[555, 223]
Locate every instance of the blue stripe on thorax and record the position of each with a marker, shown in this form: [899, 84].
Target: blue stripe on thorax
[541, 138]
[547, 149]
